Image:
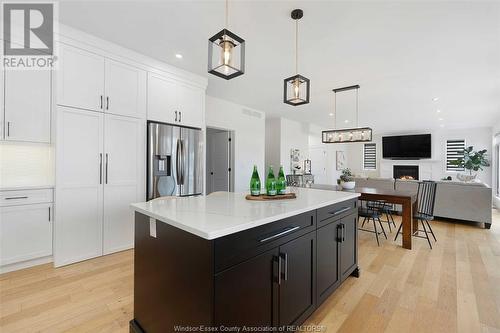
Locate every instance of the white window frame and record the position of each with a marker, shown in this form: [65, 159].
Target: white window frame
[363, 156]
[454, 170]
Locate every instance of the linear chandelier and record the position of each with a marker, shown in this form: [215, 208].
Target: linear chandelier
[347, 135]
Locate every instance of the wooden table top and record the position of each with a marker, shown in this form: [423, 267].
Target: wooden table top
[368, 191]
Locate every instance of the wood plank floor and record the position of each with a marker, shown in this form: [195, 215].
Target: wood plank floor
[453, 288]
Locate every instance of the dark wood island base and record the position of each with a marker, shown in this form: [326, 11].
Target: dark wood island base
[274, 275]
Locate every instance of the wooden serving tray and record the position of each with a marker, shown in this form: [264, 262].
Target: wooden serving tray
[265, 197]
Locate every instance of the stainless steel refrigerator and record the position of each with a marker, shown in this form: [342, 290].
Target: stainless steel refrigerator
[175, 161]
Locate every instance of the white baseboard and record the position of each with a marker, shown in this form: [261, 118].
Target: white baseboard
[25, 264]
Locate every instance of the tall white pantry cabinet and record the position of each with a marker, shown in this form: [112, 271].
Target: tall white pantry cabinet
[100, 154]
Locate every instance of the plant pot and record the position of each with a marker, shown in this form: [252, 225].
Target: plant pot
[465, 177]
[348, 185]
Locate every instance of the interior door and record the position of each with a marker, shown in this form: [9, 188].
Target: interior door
[191, 154]
[25, 232]
[80, 81]
[125, 89]
[219, 160]
[79, 185]
[124, 144]
[297, 292]
[319, 163]
[191, 105]
[162, 99]
[28, 105]
[244, 293]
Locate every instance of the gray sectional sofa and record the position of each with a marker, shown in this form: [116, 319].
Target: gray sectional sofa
[454, 200]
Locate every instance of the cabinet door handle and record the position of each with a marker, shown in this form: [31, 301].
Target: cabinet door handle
[175, 115]
[106, 168]
[100, 168]
[101, 97]
[107, 102]
[343, 232]
[8, 128]
[180, 116]
[285, 257]
[279, 269]
[339, 237]
[14, 198]
[284, 232]
[49, 214]
[339, 211]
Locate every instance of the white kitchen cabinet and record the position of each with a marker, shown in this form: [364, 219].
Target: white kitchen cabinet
[100, 165]
[80, 81]
[125, 89]
[93, 82]
[25, 232]
[28, 105]
[124, 170]
[172, 102]
[79, 189]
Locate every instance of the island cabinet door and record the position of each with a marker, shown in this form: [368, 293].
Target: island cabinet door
[297, 287]
[327, 253]
[348, 246]
[244, 293]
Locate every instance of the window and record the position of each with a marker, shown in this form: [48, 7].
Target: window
[370, 156]
[454, 151]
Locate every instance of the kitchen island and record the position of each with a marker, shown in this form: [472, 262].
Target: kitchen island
[210, 263]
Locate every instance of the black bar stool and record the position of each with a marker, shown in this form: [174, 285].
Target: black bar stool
[368, 212]
[426, 198]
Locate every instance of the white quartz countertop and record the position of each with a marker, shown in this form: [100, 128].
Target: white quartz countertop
[223, 213]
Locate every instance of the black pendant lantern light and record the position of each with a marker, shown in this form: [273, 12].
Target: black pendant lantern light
[226, 53]
[345, 135]
[297, 87]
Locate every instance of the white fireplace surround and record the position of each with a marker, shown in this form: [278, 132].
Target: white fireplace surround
[427, 169]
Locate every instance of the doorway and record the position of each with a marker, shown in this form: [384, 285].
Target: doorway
[220, 152]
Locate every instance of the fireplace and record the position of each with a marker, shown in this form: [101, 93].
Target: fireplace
[405, 172]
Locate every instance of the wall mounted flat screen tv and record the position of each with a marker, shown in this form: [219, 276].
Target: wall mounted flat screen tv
[406, 147]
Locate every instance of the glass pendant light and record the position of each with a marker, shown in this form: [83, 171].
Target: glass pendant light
[297, 87]
[226, 53]
[345, 135]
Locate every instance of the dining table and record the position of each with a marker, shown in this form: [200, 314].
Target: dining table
[407, 200]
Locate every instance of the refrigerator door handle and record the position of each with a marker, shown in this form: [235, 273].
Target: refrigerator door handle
[177, 162]
[183, 164]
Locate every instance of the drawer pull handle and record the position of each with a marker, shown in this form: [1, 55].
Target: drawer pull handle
[340, 211]
[13, 198]
[284, 232]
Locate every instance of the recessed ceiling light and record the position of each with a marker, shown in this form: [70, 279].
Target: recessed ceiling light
[178, 56]
[435, 99]
[438, 111]
[440, 119]
[346, 121]
[330, 114]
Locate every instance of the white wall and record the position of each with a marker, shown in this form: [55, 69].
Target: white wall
[496, 140]
[249, 137]
[26, 164]
[273, 142]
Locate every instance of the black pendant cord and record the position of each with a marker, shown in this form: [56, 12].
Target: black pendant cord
[227, 15]
[297, 46]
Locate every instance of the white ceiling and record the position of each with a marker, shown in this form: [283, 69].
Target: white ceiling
[403, 54]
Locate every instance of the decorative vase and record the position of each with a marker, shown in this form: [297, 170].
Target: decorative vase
[465, 177]
[348, 185]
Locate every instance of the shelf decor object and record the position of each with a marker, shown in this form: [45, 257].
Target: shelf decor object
[346, 135]
[226, 53]
[265, 197]
[296, 88]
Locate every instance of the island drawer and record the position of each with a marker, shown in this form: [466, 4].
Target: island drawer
[233, 249]
[336, 211]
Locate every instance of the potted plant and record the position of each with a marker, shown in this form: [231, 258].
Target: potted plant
[347, 179]
[472, 161]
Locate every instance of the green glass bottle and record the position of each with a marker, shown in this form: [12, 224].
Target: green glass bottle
[255, 182]
[281, 182]
[271, 182]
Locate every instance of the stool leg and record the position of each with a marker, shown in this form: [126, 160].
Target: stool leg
[388, 221]
[430, 229]
[399, 231]
[376, 231]
[426, 234]
[381, 226]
